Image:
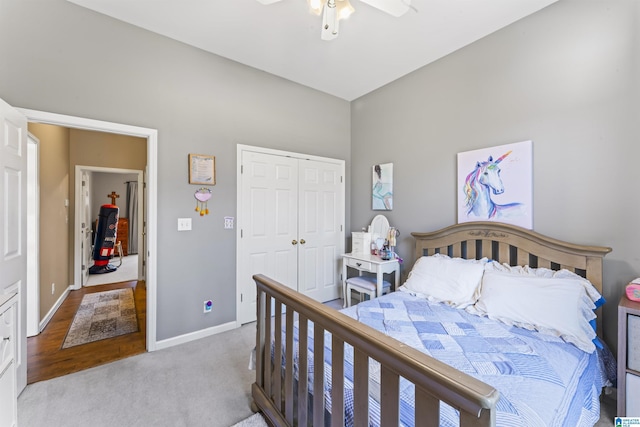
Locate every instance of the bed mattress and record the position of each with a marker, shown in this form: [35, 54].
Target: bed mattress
[542, 380]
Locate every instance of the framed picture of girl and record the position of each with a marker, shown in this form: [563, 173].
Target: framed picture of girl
[382, 188]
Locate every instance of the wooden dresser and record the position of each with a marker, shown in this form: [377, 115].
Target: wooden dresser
[123, 235]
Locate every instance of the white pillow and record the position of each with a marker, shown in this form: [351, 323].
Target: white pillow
[558, 306]
[545, 272]
[453, 281]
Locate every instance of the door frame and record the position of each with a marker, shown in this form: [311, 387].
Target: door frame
[150, 235]
[33, 235]
[77, 235]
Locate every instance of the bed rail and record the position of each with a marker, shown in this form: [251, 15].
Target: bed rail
[274, 391]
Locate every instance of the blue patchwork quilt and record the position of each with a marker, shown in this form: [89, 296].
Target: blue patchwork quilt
[542, 380]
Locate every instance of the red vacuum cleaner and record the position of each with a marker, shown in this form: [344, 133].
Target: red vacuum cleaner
[105, 241]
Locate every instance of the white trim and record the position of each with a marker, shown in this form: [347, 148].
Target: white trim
[152, 188]
[192, 336]
[33, 235]
[47, 318]
[242, 147]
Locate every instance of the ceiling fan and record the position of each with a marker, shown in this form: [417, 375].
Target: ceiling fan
[334, 10]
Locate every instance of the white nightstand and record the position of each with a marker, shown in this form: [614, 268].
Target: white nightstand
[372, 264]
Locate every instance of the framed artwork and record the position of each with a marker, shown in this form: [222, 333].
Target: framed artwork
[495, 184]
[202, 169]
[382, 188]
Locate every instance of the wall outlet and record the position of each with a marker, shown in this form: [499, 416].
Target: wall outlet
[208, 305]
[53, 289]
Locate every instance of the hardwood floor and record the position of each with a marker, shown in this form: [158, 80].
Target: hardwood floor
[45, 357]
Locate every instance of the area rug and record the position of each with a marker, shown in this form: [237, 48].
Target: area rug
[103, 315]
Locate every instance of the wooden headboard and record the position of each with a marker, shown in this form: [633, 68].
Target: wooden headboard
[514, 246]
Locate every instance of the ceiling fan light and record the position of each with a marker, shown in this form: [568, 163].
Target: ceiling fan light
[316, 6]
[344, 9]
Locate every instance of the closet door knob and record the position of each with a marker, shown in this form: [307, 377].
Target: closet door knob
[302, 242]
[294, 242]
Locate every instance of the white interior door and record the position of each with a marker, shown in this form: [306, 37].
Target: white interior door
[13, 222]
[268, 232]
[86, 234]
[320, 229]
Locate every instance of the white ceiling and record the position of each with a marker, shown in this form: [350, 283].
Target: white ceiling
[283, 38]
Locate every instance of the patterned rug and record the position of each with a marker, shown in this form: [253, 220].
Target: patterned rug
[103, 315]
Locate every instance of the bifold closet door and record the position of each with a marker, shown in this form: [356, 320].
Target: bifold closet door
[269, 225]
[291, 226]
[320, 229]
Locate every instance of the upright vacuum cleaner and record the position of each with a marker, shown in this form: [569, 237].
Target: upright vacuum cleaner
[105, 241]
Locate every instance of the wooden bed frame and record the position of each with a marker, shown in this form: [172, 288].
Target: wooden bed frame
[284, 400]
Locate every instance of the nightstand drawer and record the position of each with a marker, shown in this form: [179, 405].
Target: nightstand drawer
[633, 397]
[359, 264]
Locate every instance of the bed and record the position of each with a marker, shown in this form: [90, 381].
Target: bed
[356, 372]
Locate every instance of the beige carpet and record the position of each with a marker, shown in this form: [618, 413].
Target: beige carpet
[103, 315]
[199, 383]
[125, 272]
[254, 420]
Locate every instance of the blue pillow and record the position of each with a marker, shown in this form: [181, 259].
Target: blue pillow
[596, 340]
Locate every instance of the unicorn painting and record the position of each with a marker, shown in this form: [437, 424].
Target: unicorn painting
[484, 191]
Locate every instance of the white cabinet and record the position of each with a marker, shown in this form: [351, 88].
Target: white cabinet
[8, 384]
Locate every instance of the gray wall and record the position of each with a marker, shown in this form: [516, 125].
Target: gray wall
[565, 78]
[61, 58]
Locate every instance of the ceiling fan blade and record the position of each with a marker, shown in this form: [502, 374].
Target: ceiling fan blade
[268, 1]
[392, 7]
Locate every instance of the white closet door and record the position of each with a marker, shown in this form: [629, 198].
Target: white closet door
[320, 222]
[269, 212]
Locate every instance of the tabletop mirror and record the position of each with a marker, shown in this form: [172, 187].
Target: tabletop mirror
[379, 229]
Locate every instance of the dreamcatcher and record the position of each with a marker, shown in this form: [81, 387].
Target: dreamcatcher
[202, 196]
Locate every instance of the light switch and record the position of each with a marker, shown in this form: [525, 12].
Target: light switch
[228, 222]
[184, 224]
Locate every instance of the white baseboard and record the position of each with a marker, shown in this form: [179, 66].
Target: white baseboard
[192, 336]
[45, 321]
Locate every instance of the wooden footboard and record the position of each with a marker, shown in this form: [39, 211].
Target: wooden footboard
[273, 391]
